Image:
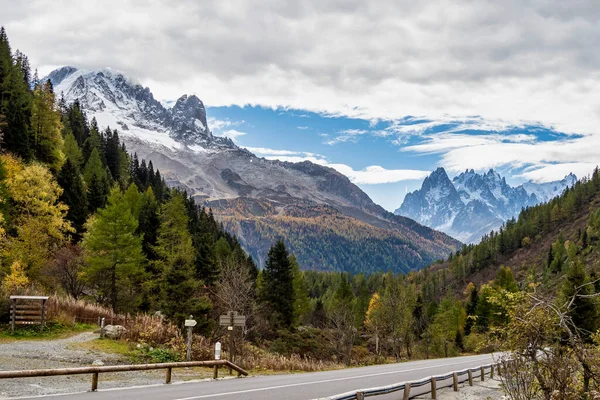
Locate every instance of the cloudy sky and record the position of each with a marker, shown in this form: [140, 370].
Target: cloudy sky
[384, 90]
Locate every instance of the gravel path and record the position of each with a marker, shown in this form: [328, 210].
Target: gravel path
[58, 353]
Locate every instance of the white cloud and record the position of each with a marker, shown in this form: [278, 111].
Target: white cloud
[372, 175]
[544, 160]
[302, 128]
[515, 60]
[552, 172]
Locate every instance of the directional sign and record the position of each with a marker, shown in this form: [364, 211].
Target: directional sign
[232, 318]
[190, 322]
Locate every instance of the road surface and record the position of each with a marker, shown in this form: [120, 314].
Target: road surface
[301, 386]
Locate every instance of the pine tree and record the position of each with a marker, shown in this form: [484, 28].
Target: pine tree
[179, 289]
[46, 127]
[278, 286]
[15, 103]
[77, 123]
[114, 254]
[149, 223]
[72, 151]
[96, 178]
[74, 195]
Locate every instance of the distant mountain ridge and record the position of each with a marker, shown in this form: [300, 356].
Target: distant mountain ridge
[329, 222]
[472, 204]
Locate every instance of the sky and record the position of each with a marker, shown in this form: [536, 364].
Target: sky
[383, 91]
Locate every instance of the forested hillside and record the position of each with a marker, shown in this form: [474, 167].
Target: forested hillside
[81, 215]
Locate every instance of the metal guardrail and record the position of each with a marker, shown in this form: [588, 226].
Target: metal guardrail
[407, 386]
[95, 371]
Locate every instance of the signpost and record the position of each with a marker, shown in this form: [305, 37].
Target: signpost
[190, 323]
[231, 320]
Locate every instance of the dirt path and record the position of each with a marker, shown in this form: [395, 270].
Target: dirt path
[59, 353]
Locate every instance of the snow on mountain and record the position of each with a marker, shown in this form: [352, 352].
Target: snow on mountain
[240, 187]
[119, 102]
[549, 190]
[473, 204]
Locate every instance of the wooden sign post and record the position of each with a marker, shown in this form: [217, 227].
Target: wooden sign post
[230, 320]
[190, 323]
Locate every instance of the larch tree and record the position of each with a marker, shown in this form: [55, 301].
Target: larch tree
[114, 257]
[40, 220]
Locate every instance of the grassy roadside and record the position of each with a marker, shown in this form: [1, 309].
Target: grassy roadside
[52, 331]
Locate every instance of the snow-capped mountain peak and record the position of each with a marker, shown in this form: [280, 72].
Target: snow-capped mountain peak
[473, 204]
[120, 102]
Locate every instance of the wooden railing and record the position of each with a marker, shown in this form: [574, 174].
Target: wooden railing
[434, 382]
[95, 371]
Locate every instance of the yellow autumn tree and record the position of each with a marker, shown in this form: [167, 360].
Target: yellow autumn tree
[372, 317]
[40, 218]
[16, 281]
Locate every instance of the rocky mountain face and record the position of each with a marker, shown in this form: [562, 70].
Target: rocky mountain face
[473, 204]
[326, 220]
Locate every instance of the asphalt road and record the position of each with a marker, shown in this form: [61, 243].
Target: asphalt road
[292, 386]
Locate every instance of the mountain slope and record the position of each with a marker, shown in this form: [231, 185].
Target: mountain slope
[257, 199]
[535, 246]
[472, 204]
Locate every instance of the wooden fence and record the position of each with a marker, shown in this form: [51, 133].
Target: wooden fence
[95, 371]
[432, 383]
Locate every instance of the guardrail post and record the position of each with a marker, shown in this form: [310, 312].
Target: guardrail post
[94, 381]
[455, 381]
[168, 376]
[360, 395]
[470, 378]
[492, 371]
[216, 372]
[406, 391]
[482, 374]
[433, 388]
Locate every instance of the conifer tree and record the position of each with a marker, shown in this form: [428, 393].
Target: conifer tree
[15, 103]
[40, 216]
[72, 151]
[46, 127]
[148, 223]
[301, 300]
[96, 178]
[278, 286]
[74, 195]
[175, 258]
[114, 255]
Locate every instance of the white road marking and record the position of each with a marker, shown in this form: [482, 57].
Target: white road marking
[317, 382]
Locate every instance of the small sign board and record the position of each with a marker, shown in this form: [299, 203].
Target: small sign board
[232, 318]
[190, 322]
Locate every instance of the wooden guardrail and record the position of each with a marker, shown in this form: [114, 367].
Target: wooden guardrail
[95, 371]
[435, 382]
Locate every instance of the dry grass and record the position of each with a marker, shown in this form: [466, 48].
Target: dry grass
[153, 331]
[259, 360]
